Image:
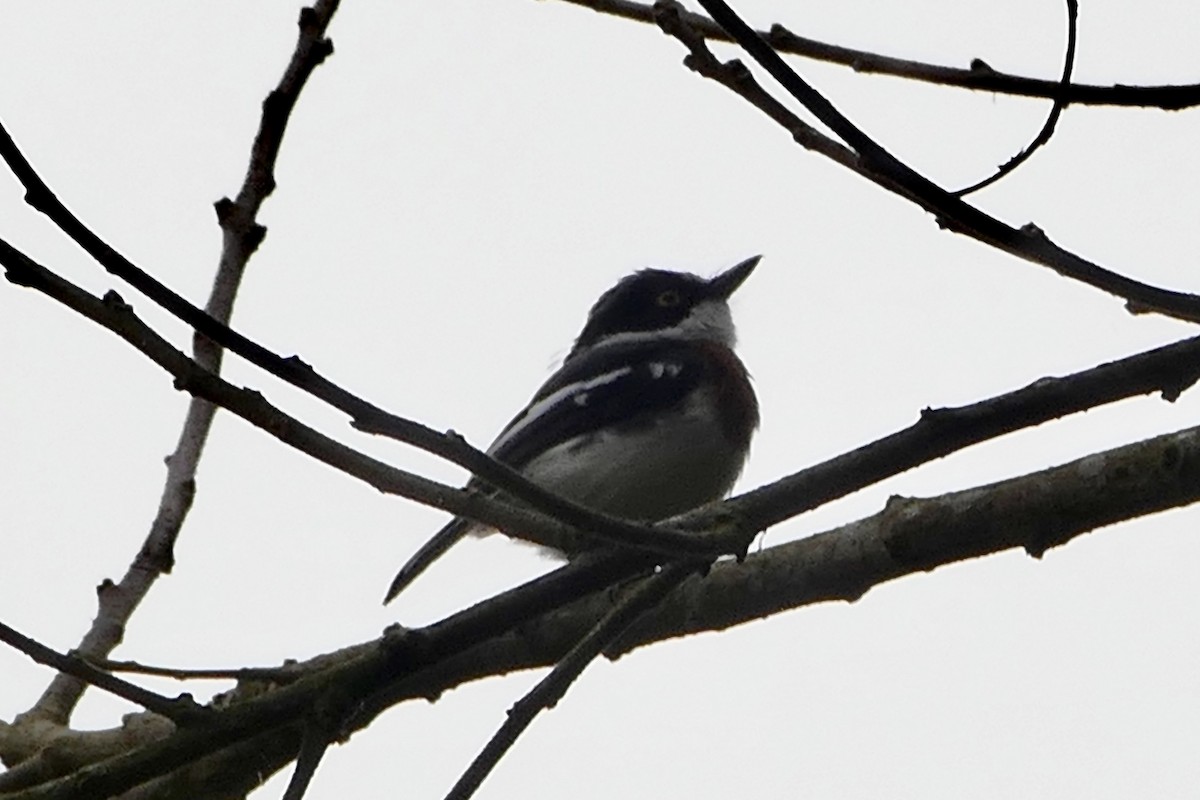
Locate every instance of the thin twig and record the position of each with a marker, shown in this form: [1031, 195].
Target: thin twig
[876, 164]
[1056, 109]
[550, 689]
[979, 76]
[272, 674]
[180, 710]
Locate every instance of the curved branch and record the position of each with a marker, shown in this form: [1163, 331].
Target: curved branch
[979, 77]
[867, 158]
[1056, 109]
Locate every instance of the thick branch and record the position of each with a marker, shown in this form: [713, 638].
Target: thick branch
[1037, 511]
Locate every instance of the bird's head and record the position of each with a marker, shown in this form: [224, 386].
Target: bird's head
[656, 302]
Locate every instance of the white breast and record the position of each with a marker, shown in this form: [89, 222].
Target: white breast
[648, 473]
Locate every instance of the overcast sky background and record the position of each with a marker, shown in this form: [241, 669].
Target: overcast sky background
[458, 184]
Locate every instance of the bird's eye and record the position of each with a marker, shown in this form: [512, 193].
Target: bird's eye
[669, 298]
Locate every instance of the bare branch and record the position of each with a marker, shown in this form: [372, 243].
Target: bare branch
[118, 601]
[38, 750]
[551, 689]
[1036, 511]
[877, 165]
[112, 313]
[978, 77]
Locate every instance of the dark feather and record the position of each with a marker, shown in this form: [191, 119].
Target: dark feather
[431, 551]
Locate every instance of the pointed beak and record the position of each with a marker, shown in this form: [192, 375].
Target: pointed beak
[725, 284]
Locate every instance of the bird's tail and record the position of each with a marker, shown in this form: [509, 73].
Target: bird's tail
[431, 551]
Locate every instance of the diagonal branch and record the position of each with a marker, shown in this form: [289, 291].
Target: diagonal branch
[568, 517]
[867, 158]
[978, 77]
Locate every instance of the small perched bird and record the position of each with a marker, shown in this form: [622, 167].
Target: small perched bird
[649, 416]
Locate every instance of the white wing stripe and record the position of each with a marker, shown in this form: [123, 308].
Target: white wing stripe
[539, 408]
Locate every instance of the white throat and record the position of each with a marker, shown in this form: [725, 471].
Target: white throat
[710, 321]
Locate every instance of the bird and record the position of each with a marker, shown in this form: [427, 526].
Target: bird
[650, 415]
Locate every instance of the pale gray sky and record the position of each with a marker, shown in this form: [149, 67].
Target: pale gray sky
[459, 182]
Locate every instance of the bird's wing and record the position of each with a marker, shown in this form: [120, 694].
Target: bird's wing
[611, 386]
